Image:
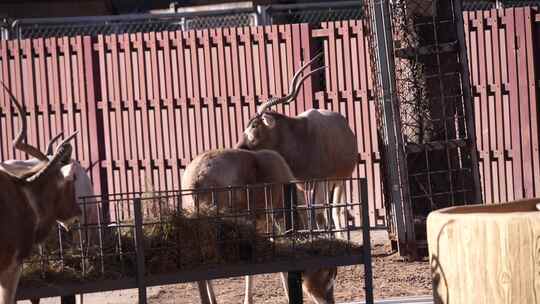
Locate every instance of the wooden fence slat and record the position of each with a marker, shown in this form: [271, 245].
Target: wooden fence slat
[524, 109]
[510, 20]
[158, 134]
[105, 113]
[15, 87]
[506, 111]
[498, 106]
[55, 100]
[210, 96]
[121, 126]
[369, 126]
[111, 114]
[8, 152]
[490, 104]
[88, 115]
[296, 60]
[133, 156]
[144, 101]
[276, 62]
[183, 95]
[248, 46]
[68, 97]
[224, 101]
[29, 93]
[169, 103]
[237, 86]
[529, 48]
[263, 62]
[198, 140]
[484, 111]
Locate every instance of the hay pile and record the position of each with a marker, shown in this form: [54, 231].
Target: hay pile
[180, 242]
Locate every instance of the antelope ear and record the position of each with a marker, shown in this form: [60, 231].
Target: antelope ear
[68, 171]
[269, 120]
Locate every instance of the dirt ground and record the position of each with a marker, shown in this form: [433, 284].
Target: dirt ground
[392, 277]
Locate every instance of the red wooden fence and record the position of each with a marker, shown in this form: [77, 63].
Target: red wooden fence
[502, 56]
[54, 79]
[148, 103]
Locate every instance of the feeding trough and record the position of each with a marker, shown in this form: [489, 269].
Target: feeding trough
[486, 253]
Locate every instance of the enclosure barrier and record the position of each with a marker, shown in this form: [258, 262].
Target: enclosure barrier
[184, 236]
[206, 85]
[145, 104]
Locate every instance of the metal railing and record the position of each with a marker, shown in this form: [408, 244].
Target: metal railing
[169, 237]
[313, 13]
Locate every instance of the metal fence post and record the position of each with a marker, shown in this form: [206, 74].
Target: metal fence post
[291, 202]
[294, 277]
[294, 281]
[68, 299]
[139, 242]
[467, 97]
[366, 242]
[393, 141]
[263, 18]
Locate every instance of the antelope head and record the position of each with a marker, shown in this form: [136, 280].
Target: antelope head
[261, 130]
[51, 178]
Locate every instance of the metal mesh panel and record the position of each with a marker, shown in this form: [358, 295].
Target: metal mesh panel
[485, 5]
[203, 22]
[94, 26]
[315, 16]
[432, 104]
[313, 13]
[429, 128]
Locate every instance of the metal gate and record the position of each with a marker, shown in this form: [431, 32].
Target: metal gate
[426, 113]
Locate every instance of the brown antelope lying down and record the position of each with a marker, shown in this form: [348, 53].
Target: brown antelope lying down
[223, 168]
[316, 144]
[32, 201]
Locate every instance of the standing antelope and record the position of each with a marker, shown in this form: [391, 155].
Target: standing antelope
[232, 167]
[315, 144]
[82, 183]
[32, 201]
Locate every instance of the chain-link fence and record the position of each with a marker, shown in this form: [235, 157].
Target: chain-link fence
[93, 26]
[485, 5]
[313, 13]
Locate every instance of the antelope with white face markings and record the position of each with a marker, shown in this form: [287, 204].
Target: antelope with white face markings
[32, 201]
[317, 144]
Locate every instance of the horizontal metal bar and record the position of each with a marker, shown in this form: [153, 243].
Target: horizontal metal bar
[436, 145]
[74, 288]
[129, 17]
[227, 271]
[217, 272]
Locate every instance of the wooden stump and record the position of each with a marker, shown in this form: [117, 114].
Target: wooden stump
[485, 253]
